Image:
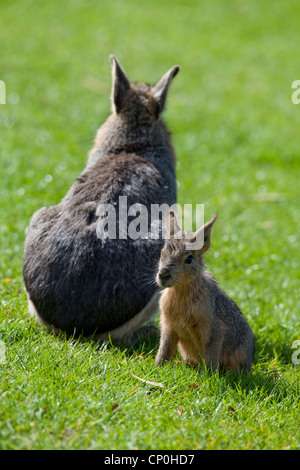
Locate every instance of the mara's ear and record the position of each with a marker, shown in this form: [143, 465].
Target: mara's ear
[160, 90]
[173, 225]
[204, 233]
[120, 84]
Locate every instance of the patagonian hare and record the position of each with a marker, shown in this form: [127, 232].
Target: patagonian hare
[82, 278]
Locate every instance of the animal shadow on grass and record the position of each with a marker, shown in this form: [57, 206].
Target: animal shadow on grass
[145, 341]
[274, 349]
[261, 379]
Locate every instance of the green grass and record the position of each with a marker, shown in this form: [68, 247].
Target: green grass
[236, 134]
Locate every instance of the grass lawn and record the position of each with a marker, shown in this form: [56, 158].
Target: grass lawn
[236, 134]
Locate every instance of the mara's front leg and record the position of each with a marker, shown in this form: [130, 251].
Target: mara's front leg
[167, 345]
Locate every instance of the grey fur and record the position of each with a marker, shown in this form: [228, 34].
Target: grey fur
[77, 282]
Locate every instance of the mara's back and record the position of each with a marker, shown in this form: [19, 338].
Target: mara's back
[83, 269]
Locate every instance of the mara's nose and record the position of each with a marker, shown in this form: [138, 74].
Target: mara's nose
[164, 274]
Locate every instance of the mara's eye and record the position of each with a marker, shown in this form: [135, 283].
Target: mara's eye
[189, 259]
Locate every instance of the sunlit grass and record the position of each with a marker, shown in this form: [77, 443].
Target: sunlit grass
[235, 131]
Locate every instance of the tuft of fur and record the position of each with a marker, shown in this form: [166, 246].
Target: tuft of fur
[196, 315]
[75, 281]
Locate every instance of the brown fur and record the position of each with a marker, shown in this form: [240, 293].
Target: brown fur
[196, 315]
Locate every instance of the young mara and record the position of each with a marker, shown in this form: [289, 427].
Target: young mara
[196, 315]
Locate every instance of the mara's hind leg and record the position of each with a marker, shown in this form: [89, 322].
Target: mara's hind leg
[134, 326]
[239, 359]
[34, 313]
